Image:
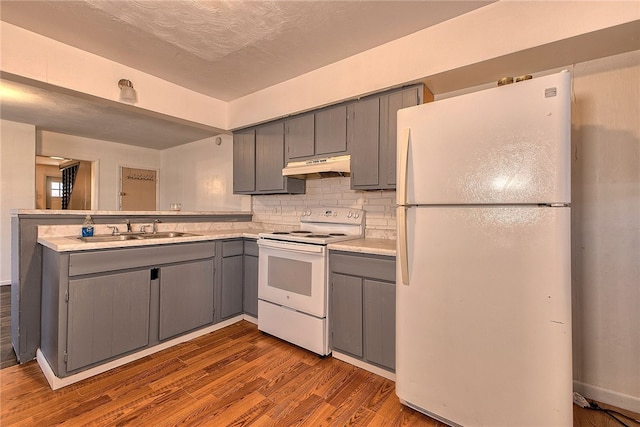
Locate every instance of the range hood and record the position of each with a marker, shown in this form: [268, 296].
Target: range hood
[319, 168]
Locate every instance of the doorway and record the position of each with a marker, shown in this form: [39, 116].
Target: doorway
[138, 189]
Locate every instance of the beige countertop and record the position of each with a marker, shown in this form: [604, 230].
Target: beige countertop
[15, 212]
[65, 239]
[366, 246]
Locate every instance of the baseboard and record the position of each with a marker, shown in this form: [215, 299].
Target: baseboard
[5, 282]
[364, 365]
[55, 382]
[251, 319]
[610, 397]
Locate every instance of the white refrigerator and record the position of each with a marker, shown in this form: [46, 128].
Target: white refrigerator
[483, 323]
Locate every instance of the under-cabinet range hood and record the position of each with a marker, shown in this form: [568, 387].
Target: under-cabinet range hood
[319, 168]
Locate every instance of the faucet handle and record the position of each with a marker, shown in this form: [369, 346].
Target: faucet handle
[143, 228]
[114, 230]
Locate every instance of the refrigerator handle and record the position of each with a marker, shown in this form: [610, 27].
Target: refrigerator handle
[403, 253]
[403, 159]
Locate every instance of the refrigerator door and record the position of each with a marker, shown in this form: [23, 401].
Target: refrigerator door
[506, 145]
[484, 323]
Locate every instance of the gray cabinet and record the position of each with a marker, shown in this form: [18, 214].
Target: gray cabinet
[232, 275]
[100, 305]
[250, 279]
[331, 131]
[258, 159]
[372, 135]
[299, 137]
[362, 307]
[186, 297]
[108, 315]
[244, 162]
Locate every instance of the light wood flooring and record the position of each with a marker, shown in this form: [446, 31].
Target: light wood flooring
[236, 376]
[7, 355]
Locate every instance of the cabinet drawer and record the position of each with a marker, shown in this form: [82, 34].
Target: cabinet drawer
[232, 248]
[371, 266]
[124, 258]
[251, 247]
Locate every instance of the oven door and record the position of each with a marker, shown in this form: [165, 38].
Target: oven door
[293, 275]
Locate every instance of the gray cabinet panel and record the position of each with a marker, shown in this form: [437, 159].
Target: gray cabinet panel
[331, 131]
[346, 314]
[231, 286]
[148, 256]
[299, 137]
[186, 297]
[232, 247]
[370, 266]
[251, 247]
[250, 296]
[364, 117]
[380, 322]
[269, 157]
[244, 161]
[108, 316]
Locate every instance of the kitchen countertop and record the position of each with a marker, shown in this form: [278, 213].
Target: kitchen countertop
[366, 246]
[68, 243]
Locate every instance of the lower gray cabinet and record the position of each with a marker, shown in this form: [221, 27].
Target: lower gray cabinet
[98, 305]
[362, 311]
[108, 316]
[186, 297]
[231, 282]
[250, 279]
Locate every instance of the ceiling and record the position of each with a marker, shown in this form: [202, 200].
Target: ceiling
[224, 49]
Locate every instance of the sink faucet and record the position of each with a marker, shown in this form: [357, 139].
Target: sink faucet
[128, 222]
[155, 225]
[114, 230]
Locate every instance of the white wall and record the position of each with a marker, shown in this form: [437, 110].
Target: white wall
[17, 183]
[37, 57]
[108, 157]
[483, 42]
[606, 229]
[199, 175]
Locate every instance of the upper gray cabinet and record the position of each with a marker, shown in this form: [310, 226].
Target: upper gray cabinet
[331, 131]
[244, 161]
[258, 159]
[372, 137]
[319, 134]
[299, 137]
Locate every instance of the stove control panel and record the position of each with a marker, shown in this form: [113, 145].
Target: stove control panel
[333, 215]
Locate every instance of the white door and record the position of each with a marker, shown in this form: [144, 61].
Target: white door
[509, 144]
[484, 324]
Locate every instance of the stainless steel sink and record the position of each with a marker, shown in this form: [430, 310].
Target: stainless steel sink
[108, 238]
[164, 235]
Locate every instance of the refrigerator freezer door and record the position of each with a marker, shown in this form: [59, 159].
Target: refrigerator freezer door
[506, 145]
[484, 323]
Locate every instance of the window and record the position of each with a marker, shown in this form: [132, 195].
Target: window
[55, 188]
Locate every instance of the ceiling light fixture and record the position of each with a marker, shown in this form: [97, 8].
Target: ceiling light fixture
[127, 92]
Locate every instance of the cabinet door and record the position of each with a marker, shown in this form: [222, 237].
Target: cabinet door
[108, 316]
[244, 161]
[250, 284]
[364, 117]
[331, 131]
[380, 322]
[269, 157]
[389, 106]
[231, 286]
[186, 297]
[346, 314]
[299, 137]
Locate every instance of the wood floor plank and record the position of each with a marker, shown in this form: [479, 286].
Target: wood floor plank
[236, 376]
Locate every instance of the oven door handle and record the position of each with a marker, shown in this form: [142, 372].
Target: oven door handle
[290, 246]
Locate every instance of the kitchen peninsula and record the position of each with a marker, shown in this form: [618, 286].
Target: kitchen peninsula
[147, 293]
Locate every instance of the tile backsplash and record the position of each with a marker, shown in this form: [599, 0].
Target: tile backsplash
[286, 209]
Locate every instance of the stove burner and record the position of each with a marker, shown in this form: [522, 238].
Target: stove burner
[337, 234]
[280, 232]
[318, 236]
[301, 232]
